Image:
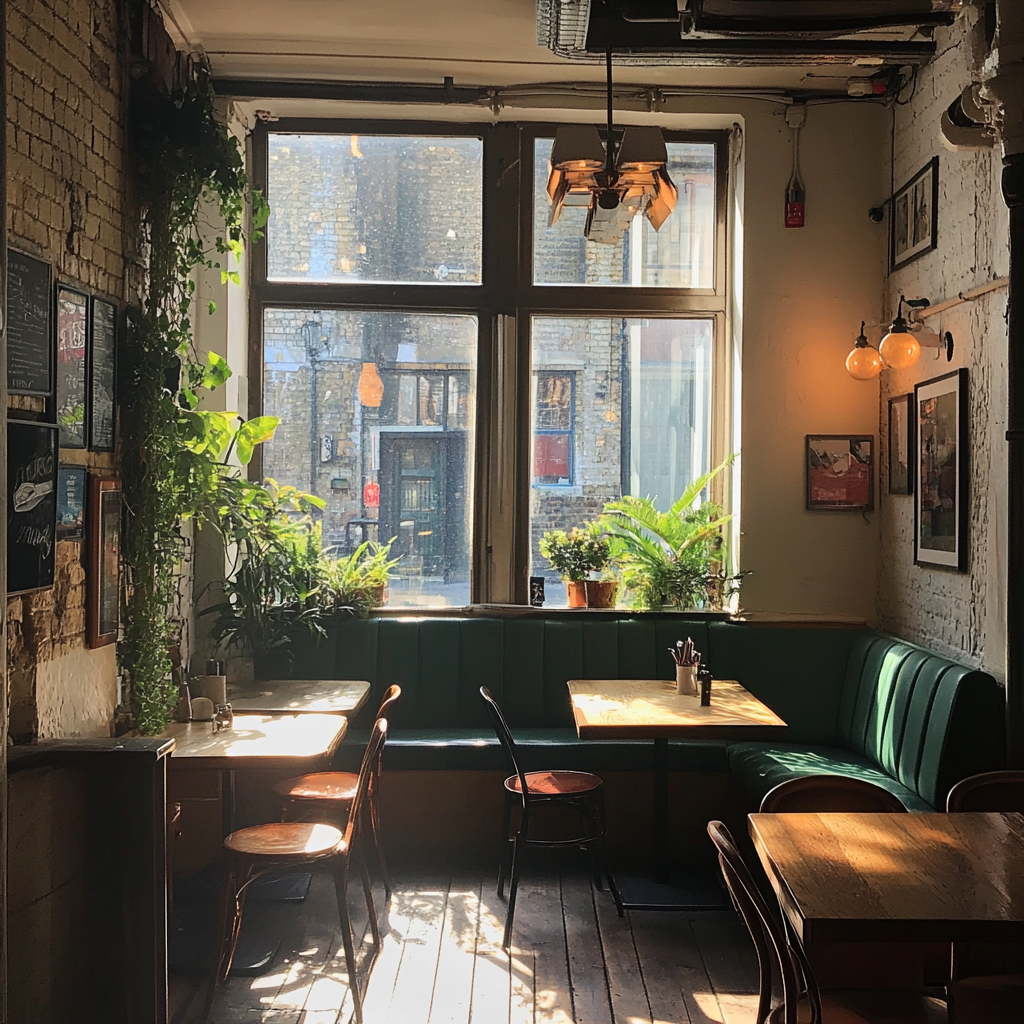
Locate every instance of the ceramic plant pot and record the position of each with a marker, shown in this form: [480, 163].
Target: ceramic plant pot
[602, 593]
[577, 593]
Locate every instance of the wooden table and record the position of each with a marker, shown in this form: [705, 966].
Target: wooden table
[618, 709]
[289, 696]
[896, 877]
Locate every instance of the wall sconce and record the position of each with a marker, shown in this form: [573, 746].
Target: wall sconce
[371, 387]
[900, 348]
[863, 362]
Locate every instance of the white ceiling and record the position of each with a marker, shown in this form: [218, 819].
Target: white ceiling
[477, 42]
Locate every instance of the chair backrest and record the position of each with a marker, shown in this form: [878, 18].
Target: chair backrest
[823, 793]
[371, 758]
[391, 694]
[765, 929]
[989, 791]
[504, 734]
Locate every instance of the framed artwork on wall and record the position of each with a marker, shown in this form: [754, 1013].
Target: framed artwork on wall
[70, 502]
[103, 574]
[31, 505]
[72, 333]
[101, 376]
[840, 472]
[913, 221]
[901, 444]
[941, 509]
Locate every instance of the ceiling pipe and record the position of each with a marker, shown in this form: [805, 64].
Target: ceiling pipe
[1004, 83]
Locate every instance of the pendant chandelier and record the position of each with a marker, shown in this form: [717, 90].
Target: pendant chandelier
[616, 181]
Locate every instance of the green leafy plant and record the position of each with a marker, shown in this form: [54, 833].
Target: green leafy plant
[173, 455]
[357, 580]
[672, 558]
[574, 555]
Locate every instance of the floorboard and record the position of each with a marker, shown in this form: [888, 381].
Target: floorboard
[573, 960]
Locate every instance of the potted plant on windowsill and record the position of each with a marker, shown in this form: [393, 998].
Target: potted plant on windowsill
[574, 555]
[360, 580]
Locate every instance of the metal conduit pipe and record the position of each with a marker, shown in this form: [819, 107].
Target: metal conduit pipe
[1004, 82]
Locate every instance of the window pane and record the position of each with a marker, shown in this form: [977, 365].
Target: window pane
[640, 421]
[681, 255]
[317, 365]
[379, 208]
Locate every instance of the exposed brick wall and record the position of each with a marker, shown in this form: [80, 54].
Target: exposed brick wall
[67, 205]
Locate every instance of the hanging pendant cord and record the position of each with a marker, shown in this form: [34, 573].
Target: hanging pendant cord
[610, 145]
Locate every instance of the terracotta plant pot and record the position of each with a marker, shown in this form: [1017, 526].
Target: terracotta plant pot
[378, 595]
[577, 592]
[602, 593]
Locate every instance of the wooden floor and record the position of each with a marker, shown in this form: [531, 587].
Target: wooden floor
[573, 960]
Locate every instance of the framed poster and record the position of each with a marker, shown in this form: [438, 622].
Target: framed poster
[72, 330]
[103, 573]
[901, 444]
[29, 316]
[31, 505]
[840, 472]
[913, 226]
[940, 510]
[70, 502]
[103, 338]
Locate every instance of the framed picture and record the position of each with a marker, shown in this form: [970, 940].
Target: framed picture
[103, 575]
[70, 502]
[29, 319]
[101, 376]
[31, 505]
[840, 472]
[940, 510]
[901, 444]
[913, 225]
[72, 331]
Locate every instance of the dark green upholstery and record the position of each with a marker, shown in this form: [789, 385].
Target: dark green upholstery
[857, 702]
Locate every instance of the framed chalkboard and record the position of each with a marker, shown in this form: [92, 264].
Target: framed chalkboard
[72, 334]
[103, 576]
[101, 376]
[31, 505]
[29, 315]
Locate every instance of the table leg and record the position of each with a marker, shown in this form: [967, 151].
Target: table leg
[661, 856]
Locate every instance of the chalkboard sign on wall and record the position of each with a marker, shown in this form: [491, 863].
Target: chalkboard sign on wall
[29, 314]
[31, 505]
[101, 377]
[72, 329]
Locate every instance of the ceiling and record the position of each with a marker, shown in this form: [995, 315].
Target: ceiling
[476, 42]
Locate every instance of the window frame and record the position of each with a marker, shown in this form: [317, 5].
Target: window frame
[505, 301]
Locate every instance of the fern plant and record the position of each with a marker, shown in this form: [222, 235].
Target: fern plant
[672, 558]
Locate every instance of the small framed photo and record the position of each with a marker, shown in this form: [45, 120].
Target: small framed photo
[901, 444]
[913, 224]
[70, 502]
[840, 472]
[103, 574]
[940, 509]
[72, 332]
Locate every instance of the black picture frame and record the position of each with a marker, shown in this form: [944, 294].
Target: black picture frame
[31, 505]
[71, 498]
[913, 217]
[839, 470]
[103, 573]
[901, 444]
[29, 325]
[72, 332]
[102, 407]
[942, 465]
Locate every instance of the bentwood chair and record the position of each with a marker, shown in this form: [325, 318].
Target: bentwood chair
[829, 793]
[328, 796]
[577, 791]
[802, 1002]
[987, 978]
[279, 847]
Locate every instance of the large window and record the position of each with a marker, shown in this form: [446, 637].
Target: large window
[466, 421]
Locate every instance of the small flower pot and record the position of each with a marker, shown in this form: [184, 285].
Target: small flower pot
[378, 595]
[577, 593]
[602, 593]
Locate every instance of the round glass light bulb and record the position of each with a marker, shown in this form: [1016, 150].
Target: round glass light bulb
[899, 350]
[864, 362]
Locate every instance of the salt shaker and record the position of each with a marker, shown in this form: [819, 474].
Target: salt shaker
[704, 678]
[223, 717]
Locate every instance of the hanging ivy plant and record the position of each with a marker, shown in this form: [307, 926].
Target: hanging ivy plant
[172, 453]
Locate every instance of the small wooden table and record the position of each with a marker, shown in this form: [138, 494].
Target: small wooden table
[896, 877]
[291, 696]
[633, 709]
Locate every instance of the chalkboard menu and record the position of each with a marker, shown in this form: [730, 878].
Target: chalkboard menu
[31, 505]
[101, 377]
[29, 312]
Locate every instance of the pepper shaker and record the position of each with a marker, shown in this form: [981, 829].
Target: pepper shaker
[704, 677]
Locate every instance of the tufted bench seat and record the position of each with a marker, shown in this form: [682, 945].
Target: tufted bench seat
[857, 702]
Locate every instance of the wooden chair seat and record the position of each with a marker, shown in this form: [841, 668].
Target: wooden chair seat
[870, 1006]
[336, 787]
[555, 783]
[992, 999]
[279, 839]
